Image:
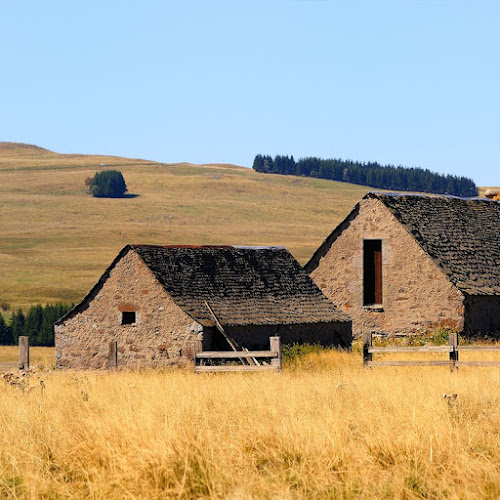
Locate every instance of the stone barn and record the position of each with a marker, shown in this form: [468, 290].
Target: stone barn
[404, 263]
[155, 301]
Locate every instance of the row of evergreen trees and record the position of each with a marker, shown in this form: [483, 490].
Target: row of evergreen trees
[37, 324]
[368, 174]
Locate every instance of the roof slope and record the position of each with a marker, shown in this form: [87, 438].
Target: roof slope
[242, 285]
[461, 235]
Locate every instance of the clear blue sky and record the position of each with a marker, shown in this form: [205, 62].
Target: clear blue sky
[412, 82]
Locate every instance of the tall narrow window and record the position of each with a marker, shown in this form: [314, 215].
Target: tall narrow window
[372, 272]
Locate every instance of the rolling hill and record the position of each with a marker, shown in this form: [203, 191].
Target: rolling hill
[56, 240]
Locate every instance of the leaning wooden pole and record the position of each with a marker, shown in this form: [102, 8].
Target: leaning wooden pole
[229, 340]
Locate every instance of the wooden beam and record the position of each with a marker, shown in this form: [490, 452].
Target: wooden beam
[439, 348]
[8, 367]
[478, 348]
[409, 363]
[478, 363]
[233, 355]
[230, 341]
[235, 368]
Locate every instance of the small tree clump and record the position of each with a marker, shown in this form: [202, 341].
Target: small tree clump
[108, 184]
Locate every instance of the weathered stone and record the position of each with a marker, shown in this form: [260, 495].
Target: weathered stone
[440, 264]
[76, 334]
[256, 292]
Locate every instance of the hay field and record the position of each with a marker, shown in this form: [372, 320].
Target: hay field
[56, 240]
[324, 428]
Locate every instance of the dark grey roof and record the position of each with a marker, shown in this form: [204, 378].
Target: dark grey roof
[461, 235]
[242, 285]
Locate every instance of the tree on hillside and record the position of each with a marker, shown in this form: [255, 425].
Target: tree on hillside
[5, 333]
[33, 322]
[17, 325]
[108, 184]
[368, 174]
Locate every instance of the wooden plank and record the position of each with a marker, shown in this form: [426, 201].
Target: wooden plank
[252, 360]
[438, 348]
[235, 355]
[235, 368]
[8, 367]
[234, 346]
[478, 348]
[409, 363]
[478, 363]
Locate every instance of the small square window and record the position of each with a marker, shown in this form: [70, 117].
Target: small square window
[128, 317]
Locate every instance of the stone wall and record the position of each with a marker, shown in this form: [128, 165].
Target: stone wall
[163, 334]
[417, 296]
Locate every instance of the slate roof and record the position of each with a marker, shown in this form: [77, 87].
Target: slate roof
[242, 285]
[461, 235]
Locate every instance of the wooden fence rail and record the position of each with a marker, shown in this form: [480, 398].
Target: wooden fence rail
[24, 357]
[453, 350]
[274, 354]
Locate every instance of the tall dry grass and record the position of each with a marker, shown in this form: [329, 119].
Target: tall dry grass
[324, 428]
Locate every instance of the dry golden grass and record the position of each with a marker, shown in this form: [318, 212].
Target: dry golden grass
[324, 428]
[57, 240]
[38, 355]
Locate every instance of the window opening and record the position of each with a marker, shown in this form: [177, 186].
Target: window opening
[128, 317]
[372, 272]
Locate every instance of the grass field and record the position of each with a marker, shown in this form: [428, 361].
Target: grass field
[324, 428]
[56, 240]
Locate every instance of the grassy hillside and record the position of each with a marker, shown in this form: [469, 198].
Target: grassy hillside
[56, 240]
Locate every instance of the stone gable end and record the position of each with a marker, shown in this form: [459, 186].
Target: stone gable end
[162, 334]
[417, 296]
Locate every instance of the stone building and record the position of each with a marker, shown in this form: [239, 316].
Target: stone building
[403, 264]
[155, 301]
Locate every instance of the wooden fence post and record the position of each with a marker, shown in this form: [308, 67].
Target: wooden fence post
[275, 343]
[24, 353]
[367, 343]
[197, 347]
[113, 355]
[453, 341]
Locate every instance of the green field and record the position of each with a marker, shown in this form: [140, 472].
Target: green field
[56, 240]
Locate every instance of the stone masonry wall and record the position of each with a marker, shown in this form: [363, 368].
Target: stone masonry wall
[417, 296]
[163, 333]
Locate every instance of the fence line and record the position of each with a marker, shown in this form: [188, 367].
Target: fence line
[274, 354]
[453, 350]
[24, 357]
